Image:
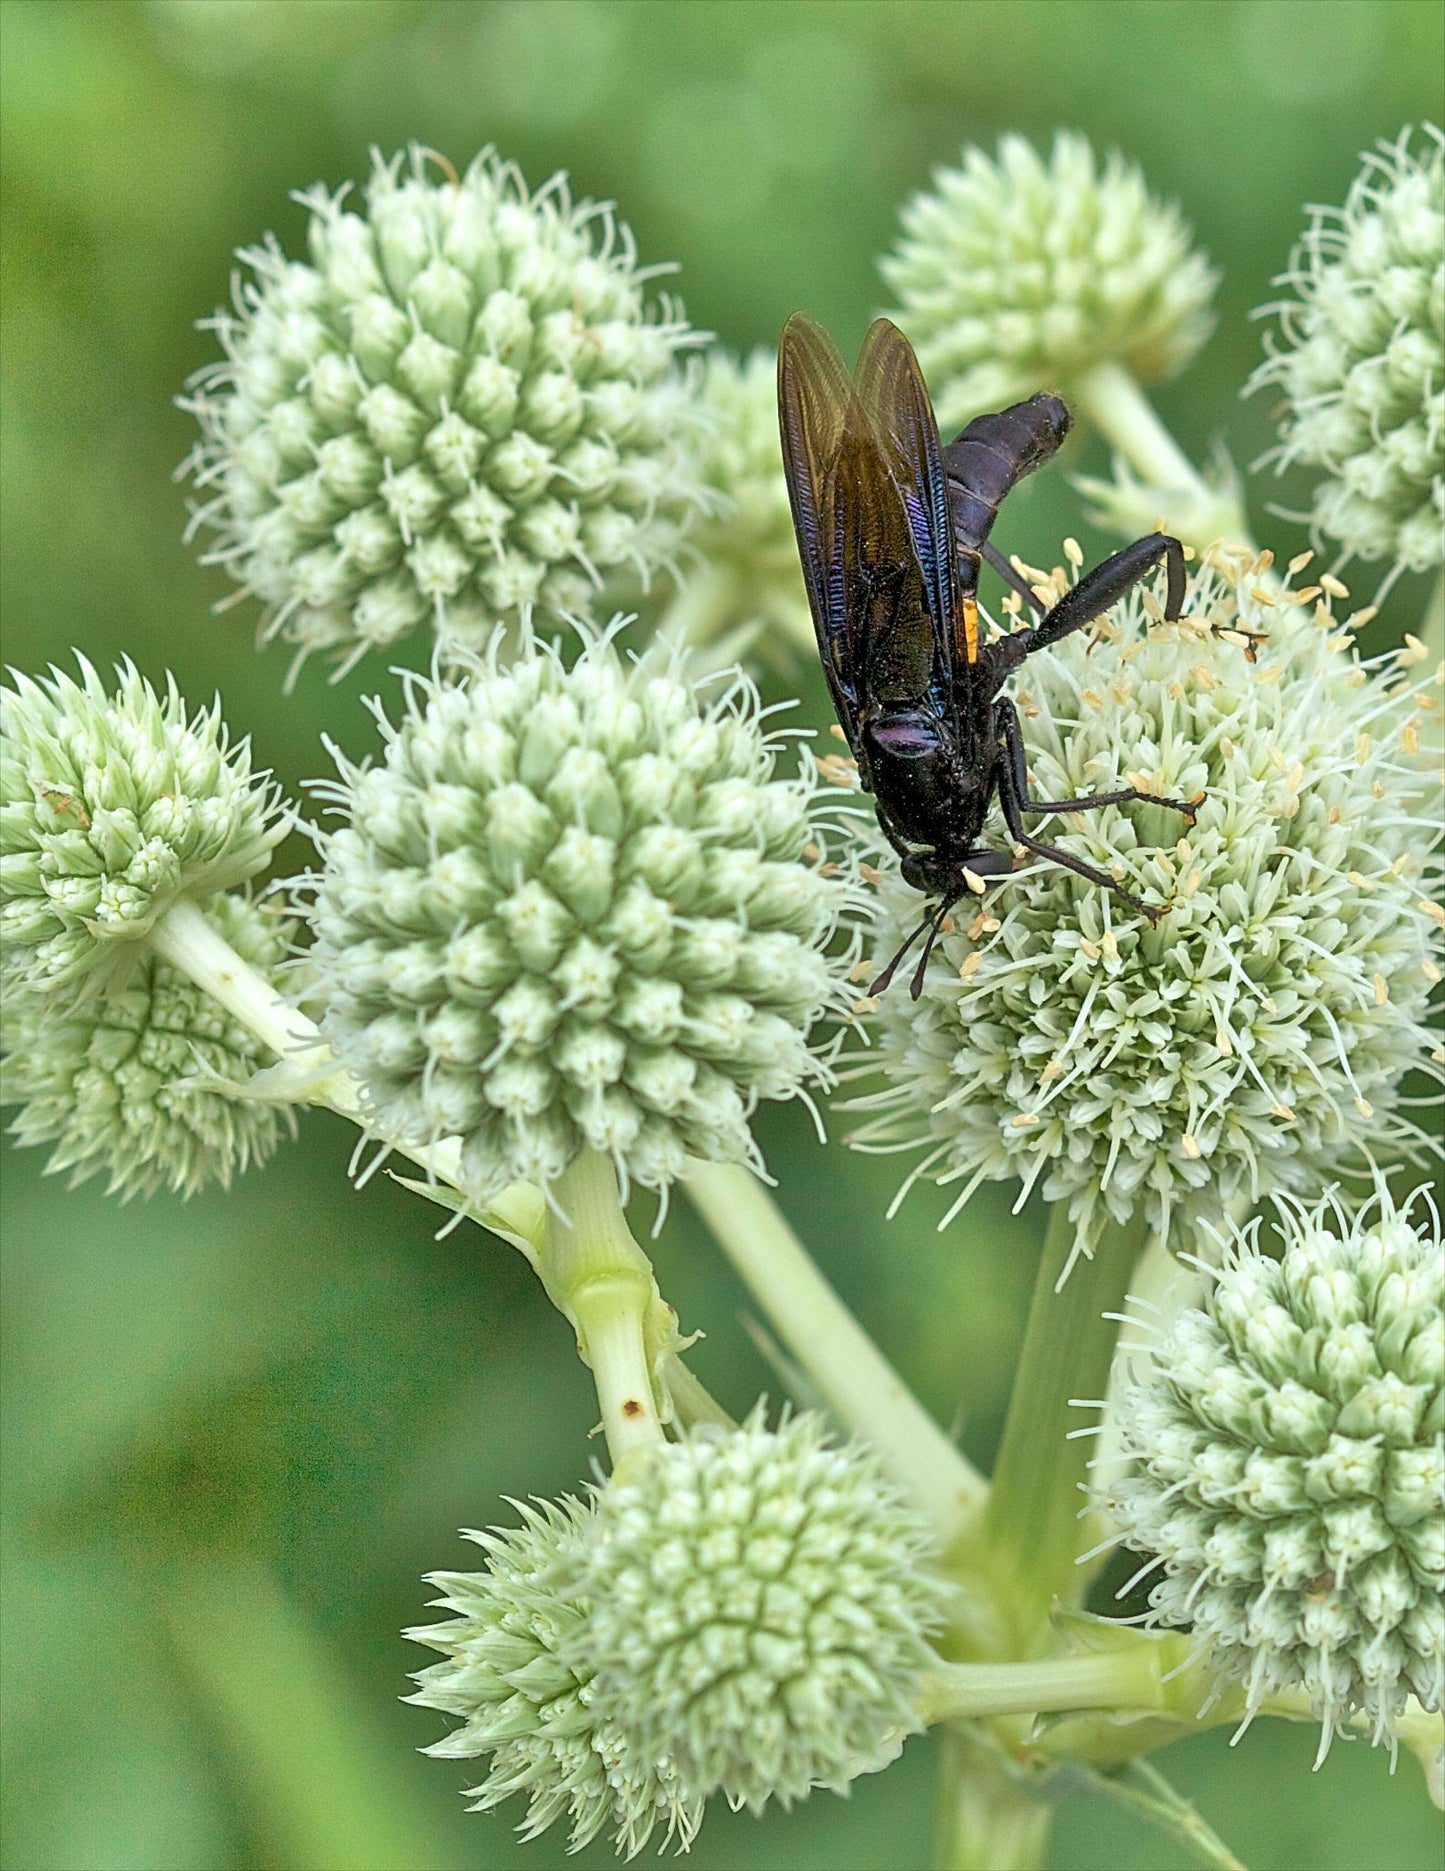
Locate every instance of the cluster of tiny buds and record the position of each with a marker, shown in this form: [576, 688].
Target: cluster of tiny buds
[744, 1612]
[1288, 1451]
[137, 1079]
[1360, 358]
[116, 805]
[1017, 274]
[461, 408]
[576, 908]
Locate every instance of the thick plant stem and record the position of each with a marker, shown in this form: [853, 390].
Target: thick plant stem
[187, 941]
[1032, 1529]
[600, 1279]
[306, 1072]
[1167, 480]
[831, 1346]
[1122, 1677]
[1119, 408]
[593, 1270]
[987, 1819]
[320, 1787]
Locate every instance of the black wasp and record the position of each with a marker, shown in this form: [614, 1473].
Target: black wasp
[891, 529]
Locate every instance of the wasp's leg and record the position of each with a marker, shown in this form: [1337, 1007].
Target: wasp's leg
[1007, 721]
[1013, 808]
[1094, 594]
[1013, 578]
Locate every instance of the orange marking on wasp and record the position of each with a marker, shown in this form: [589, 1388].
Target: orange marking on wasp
[970, 629]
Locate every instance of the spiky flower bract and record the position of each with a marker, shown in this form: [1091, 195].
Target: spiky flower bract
[462, 406]
[575, 908]
[1015, 275]
[743, 585]
[530, 1706]
[1288, 1464]
[112, 808]
[1360, 358]
[1256, 1036]
[759, 1610]
[130, 1082]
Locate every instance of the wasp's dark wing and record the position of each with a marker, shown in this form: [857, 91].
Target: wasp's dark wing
[890, 387]
[855, 534]
[815, 396]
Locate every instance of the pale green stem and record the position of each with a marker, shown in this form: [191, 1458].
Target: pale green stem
[1109, 395]
[1186, 1697]
[1111, 398]
[1109, 1679]
[1141, 1788]
[187, 941]
[987, 1819]
[321, 1788]
[601, 1312]
[1033, 1529]
[599, 1278]
[853, 1375]
[184, 938]
[694, 1402]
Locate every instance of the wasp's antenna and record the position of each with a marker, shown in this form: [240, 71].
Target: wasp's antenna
[880, 986]
[915, 987]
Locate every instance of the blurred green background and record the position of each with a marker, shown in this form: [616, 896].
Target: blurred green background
[239, 1429]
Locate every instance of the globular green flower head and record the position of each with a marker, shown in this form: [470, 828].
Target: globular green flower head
[577, 908]
[134, 1083]
[1257, 1035]
[759, 1607]
[1288, 1465]
[1359, 357]
[112, 807]
[1017, 274]
[462, 406]
[743, 584]
[529, 1705]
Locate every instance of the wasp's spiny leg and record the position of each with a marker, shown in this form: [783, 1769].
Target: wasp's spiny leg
[1012, 577]
[1013, 817]
[1006, 715]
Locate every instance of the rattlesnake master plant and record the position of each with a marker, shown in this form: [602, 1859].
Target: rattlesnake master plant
[577, 908]
[1359, 358]
[529, 1705]
[581, 916]
[760, 1610]
[135, 1082]
[1019, 274]
[1287, 1442]
[1257, 1036]
[461, 407]
[115, 806]
[744, 1612]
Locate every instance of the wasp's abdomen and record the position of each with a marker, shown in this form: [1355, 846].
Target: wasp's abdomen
[985, 460]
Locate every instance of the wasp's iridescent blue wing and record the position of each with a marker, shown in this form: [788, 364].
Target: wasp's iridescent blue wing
[890, 386]
[815, 395]
[859, 541]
